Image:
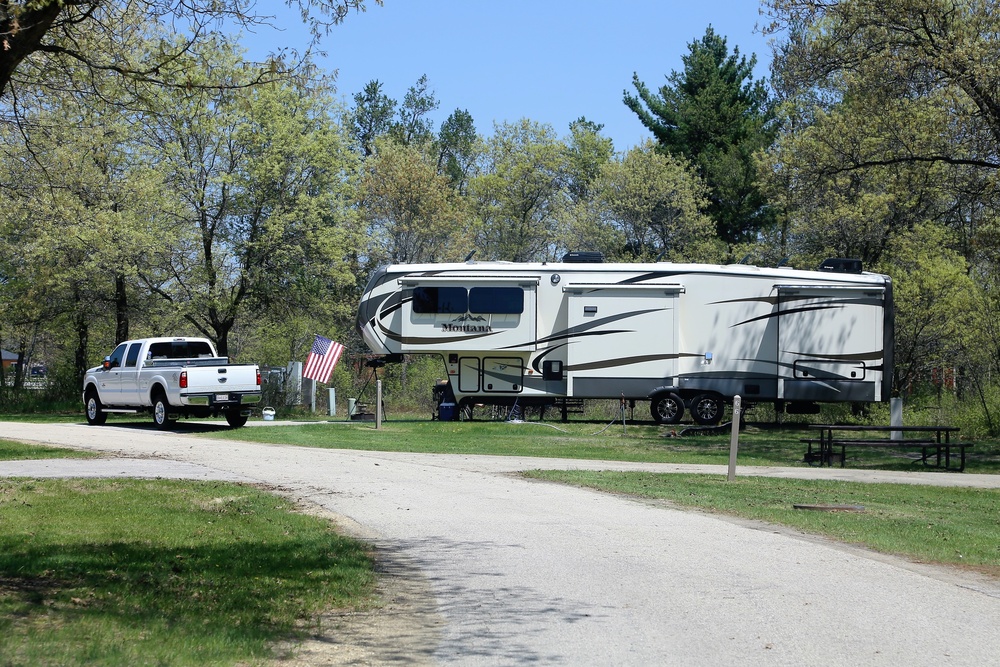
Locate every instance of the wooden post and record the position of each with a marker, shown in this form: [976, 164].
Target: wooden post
[734, 440]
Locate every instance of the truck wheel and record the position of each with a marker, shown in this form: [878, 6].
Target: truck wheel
[161, 412]
[95, 412]
[707, 409]
[235, 419]
[667, 408]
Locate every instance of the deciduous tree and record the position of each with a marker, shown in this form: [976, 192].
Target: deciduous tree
[412, 212]
[264, 177]
[520, 195]
[655, 203]
[101, 36]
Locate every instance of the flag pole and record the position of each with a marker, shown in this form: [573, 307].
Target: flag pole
[312, 392]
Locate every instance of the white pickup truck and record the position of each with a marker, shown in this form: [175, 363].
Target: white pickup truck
[170, 377]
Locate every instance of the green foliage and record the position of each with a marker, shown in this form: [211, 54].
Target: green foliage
[372, 116]
[376, 115]
[413, 126]
[458, 148]
[413, 213]
[654, 203]
[934, 296]
[519, 196]
[587, 152]
[715, 115]
[43, 39]
[264, 178]
[889, 136]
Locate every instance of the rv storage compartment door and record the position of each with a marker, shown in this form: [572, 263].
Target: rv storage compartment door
[830, 342]
[468, 313]
[502, 374]
[622, 339]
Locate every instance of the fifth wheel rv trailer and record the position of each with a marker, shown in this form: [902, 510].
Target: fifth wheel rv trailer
[683, 336]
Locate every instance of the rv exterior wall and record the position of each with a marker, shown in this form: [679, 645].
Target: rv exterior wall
[637, 330]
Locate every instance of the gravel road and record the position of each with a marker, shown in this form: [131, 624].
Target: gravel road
[522, 572]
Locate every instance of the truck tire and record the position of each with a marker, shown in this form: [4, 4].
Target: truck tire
[161, 412]
[707, 409]
[666, 408]
[95, 409]
[235, 419]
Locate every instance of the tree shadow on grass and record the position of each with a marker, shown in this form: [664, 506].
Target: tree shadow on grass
[210, 599]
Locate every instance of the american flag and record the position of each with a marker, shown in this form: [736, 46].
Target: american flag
[322, 358]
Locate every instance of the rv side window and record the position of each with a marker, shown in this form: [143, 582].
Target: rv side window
[496, 300]
[440, 300]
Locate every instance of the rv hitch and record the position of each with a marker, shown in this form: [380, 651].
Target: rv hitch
[379, 362]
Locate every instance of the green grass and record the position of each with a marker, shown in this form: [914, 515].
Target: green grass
[581, 440]
[45, 417]
[11, 450]
[141, 572]
[958, 526]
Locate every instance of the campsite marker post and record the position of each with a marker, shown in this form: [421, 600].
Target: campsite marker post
[734, 440]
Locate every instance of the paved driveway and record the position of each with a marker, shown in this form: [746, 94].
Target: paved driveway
[523, 572]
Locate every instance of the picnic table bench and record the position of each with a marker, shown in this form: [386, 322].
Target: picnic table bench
[934, 443]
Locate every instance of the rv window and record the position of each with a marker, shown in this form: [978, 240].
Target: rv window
[497, 300]
[440, 300]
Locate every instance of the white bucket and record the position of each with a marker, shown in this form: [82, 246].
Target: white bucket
[268, 414]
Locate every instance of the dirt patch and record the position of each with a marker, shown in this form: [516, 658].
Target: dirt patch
[402, 627]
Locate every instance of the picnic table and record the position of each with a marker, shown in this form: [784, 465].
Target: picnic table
[934, 443]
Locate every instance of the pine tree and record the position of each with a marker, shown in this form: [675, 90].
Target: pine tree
[714, 114]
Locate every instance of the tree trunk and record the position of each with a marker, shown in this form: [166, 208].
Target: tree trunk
[121, 309]
[82, 329]
[222, 329]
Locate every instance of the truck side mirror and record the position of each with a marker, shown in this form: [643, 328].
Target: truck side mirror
[107, 363]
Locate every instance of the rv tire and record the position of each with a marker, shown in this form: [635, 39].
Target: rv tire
[666, 408]
[707, 409]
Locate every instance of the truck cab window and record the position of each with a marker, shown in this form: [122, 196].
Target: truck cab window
[133, 355]
[117, 356]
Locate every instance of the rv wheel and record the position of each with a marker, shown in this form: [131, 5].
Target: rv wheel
[707, 409]
[667, 408]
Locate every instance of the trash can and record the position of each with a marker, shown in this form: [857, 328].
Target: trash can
[446, 412]
[268, 414]
[351, 404]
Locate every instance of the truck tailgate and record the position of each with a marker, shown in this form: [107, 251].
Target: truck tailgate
[221, 379]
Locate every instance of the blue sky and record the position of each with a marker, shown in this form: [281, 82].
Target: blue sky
[551, 61]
